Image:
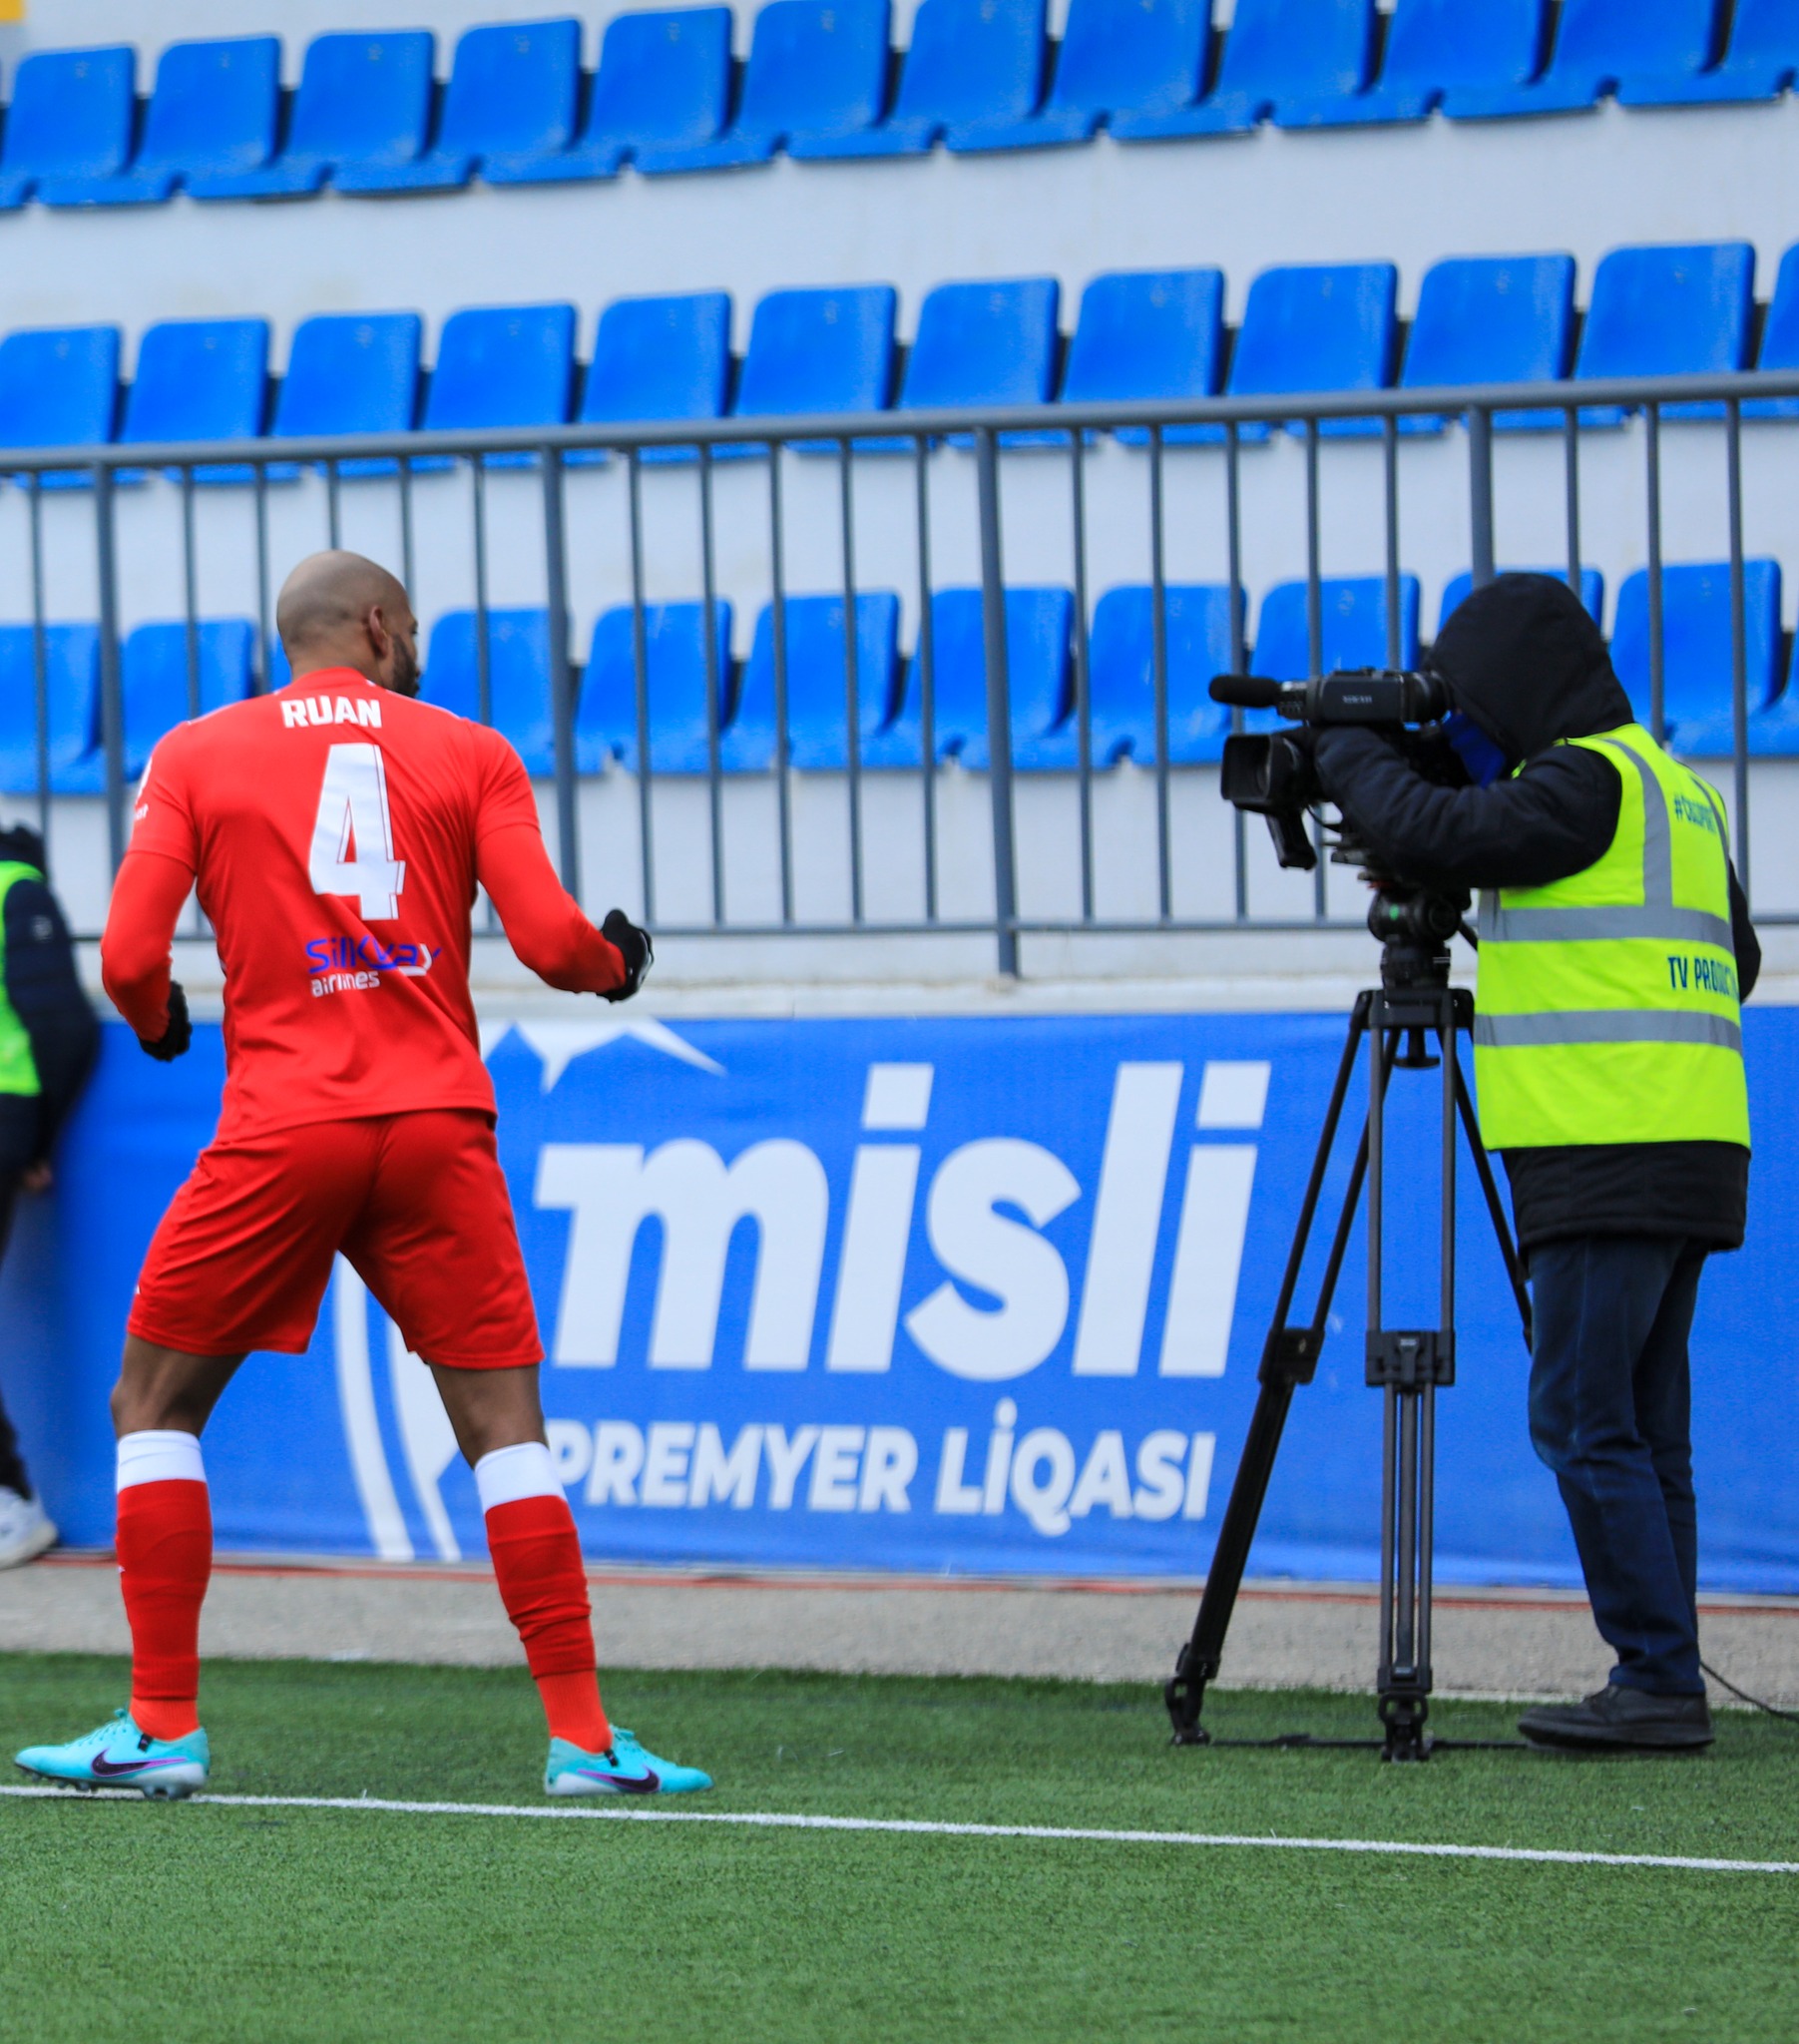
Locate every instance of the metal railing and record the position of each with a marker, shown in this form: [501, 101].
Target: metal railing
[919, 432]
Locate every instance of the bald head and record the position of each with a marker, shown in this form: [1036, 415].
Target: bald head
[342, 610]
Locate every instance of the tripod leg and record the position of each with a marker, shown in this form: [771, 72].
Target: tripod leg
[1289, 1358]
[1202, 1655]
[1496, 1207]
[1408, 1366]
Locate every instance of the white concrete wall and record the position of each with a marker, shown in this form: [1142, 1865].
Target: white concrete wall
[1584, 184]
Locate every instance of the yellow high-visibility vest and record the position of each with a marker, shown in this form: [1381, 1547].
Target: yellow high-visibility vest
[1607, 1007]
[18, 1068]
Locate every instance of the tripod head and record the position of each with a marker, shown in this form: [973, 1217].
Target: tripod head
[1415, 926]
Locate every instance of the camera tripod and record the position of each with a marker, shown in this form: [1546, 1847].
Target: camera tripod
[1408, 1365]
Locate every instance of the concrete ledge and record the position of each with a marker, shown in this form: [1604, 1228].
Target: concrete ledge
[1516, 1643]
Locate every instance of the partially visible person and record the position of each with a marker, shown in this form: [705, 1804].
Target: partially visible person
[1617, 951]
[48, 1038]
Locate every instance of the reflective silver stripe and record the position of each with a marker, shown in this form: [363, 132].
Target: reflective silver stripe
[1658, 844]
[1605, 1025]
[1656, 919]
[1592, 925]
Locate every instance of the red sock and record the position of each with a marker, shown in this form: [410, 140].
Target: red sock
[536, 1559]
[164, 1548]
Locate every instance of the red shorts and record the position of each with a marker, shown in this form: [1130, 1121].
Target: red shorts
[416, 1202]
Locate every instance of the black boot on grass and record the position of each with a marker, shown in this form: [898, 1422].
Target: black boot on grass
[1621, 1718]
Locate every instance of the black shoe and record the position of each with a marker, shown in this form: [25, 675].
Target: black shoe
[1620, 1717]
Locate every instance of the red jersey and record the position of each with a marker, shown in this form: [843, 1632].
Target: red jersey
[336, 832]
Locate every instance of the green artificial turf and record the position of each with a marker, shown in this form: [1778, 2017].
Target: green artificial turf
[148, 1921]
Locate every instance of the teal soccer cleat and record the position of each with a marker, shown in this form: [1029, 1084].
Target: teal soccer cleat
[624, 1769]
[119, 1756]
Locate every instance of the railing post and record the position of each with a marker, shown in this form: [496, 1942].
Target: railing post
[112, 705]
[1479, 496]
[40, 660]
[1658, 640]
[999, 704]
[562, 690]
[1739, 640]
[264, 630]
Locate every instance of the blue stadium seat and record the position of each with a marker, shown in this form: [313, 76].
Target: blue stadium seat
[214, 110]
[659, 358]
[1316, 327]
[1148, 333]
[674, 683]
[198, 379]
[1774, 732]
[1780, 339]
[72, 687]
[1275, 51]
[1492, 319]
[350, 372]
[153, 678]
[1663, 311]
[1760, 63]
[817, 71]
[1600, 43]
[71, 116]
[1457, 590]
[817, 689]
[364, 100]
[818, 352]
[518, 678]
[1140, 57]
[59, 387]
[972, 63]
[984, 343]
[153, 686]
[511, 97]
[1038, 674]
[501, 366]
[663, 83]
[1696, 662]
[1122, 671]
[1432, 46]
[1354, 617]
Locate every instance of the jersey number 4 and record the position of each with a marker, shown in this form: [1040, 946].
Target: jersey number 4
[353, 837]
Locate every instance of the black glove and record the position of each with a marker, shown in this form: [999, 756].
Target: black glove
[179, 1033]
[633, 945]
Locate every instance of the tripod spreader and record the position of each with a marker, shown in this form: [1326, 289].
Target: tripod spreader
[1407, 1366]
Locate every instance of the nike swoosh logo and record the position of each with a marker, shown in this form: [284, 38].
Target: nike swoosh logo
[645, 1783]
[102, 1765]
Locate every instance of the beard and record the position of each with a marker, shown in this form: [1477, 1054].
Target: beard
[404, 680]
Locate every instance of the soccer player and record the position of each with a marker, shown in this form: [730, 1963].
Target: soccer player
[337, 830]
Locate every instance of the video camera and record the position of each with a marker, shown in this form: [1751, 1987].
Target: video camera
[1269, 774]
[1272, 774]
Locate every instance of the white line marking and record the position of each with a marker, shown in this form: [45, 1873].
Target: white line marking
[777, 1821]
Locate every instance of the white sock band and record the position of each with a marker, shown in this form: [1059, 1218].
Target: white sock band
[508, 1474]
[160, 1456]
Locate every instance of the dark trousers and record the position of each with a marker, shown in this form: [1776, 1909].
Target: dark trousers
[12, 1470]
[1610, 1414]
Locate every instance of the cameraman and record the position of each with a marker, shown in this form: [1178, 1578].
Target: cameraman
[1616, 948]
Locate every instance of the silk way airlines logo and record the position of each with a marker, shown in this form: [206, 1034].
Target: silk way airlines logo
[984, 1212]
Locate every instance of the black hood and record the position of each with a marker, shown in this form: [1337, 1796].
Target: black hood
[1525, 662]
[20, 844]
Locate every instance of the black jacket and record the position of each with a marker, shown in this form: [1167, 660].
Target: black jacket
[44, 989]
[1523, 659]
